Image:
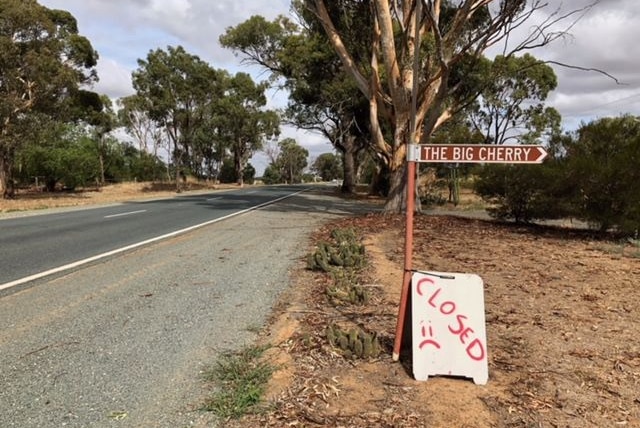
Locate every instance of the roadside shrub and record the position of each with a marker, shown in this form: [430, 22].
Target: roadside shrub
[344, 251]
[523, 192]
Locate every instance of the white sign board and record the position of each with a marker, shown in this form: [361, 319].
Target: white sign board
[448, 326]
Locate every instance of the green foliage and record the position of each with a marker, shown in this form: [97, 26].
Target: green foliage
[292, 160]
[208, 114]
[522, 192]
[344, 251]
[289, 164]
[322, 96]
[175, 90]
[43, 63]
[328, 166]
[241, 121]
[602, 159]
[123, 162]
[242, 379]
[510, 107]
[345, 288]
[69, 157]
[591, 175]
[228, 173]
[353, 343]
[271, 175]
[71, 163]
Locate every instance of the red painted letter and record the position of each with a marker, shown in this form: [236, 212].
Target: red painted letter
[418, 289]
[479, 350]
[433, 297]
[460, 318]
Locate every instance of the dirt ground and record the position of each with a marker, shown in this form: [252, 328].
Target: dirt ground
[562, 324]
[561, 309]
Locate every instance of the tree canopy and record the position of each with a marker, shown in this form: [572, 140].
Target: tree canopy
[394, 50]
[510, 106]
[43, 64]
[322, 97]
[288, 162]
[591, 175]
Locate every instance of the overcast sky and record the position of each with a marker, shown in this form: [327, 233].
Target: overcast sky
[607, 37]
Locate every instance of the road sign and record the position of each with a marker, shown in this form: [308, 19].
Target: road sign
[476, 153]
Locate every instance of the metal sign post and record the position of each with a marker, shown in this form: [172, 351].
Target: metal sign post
[448, 153]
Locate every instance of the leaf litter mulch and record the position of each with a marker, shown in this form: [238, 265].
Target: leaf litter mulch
[562, 316]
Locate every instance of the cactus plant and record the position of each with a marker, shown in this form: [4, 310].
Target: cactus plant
[345, 289]
[354, 343]
[345, 251]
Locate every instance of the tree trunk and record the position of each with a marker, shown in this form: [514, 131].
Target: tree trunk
[6, 183]
[102, 179]
[176, 162]
[349, 173]
[239, 170]
[397, 198]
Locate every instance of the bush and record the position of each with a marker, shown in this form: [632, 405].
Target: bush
[523, 192]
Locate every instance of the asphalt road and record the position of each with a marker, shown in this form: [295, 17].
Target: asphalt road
[35, 244]
[124, 342]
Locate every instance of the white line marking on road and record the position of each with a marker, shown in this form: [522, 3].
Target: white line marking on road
[123, 214]
[138, 244]
[214, 199]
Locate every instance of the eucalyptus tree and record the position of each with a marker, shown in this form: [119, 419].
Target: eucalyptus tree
[241, 120]
[327, 166]
[43, 63]
[287, 164]
[394, 50]
[136, 121]
[293, 159]
[174, 88]
[322, 97]
[96, 111]
[511, 105]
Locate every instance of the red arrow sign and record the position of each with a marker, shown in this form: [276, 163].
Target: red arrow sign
[480, 153]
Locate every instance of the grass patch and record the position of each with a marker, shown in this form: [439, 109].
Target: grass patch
[241, 379]
[624, 248]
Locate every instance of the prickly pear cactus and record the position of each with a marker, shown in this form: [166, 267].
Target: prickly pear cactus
[354, 343]
[345, 251]
[345, 289]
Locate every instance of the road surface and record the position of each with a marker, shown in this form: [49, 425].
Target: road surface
[124, 342]
[35, 244]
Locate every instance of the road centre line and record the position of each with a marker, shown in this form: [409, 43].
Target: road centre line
[123, 214]
[138, 244]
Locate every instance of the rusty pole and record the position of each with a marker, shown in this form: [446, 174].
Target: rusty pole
[411, 188]
[408, 258]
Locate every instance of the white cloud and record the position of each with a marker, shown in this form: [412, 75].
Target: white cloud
[115, 79]
[607, 37]
[603, 39]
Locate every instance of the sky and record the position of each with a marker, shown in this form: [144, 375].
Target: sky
[606, 37]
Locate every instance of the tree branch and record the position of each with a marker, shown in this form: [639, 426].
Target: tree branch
[577, 67]
[337, 43]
